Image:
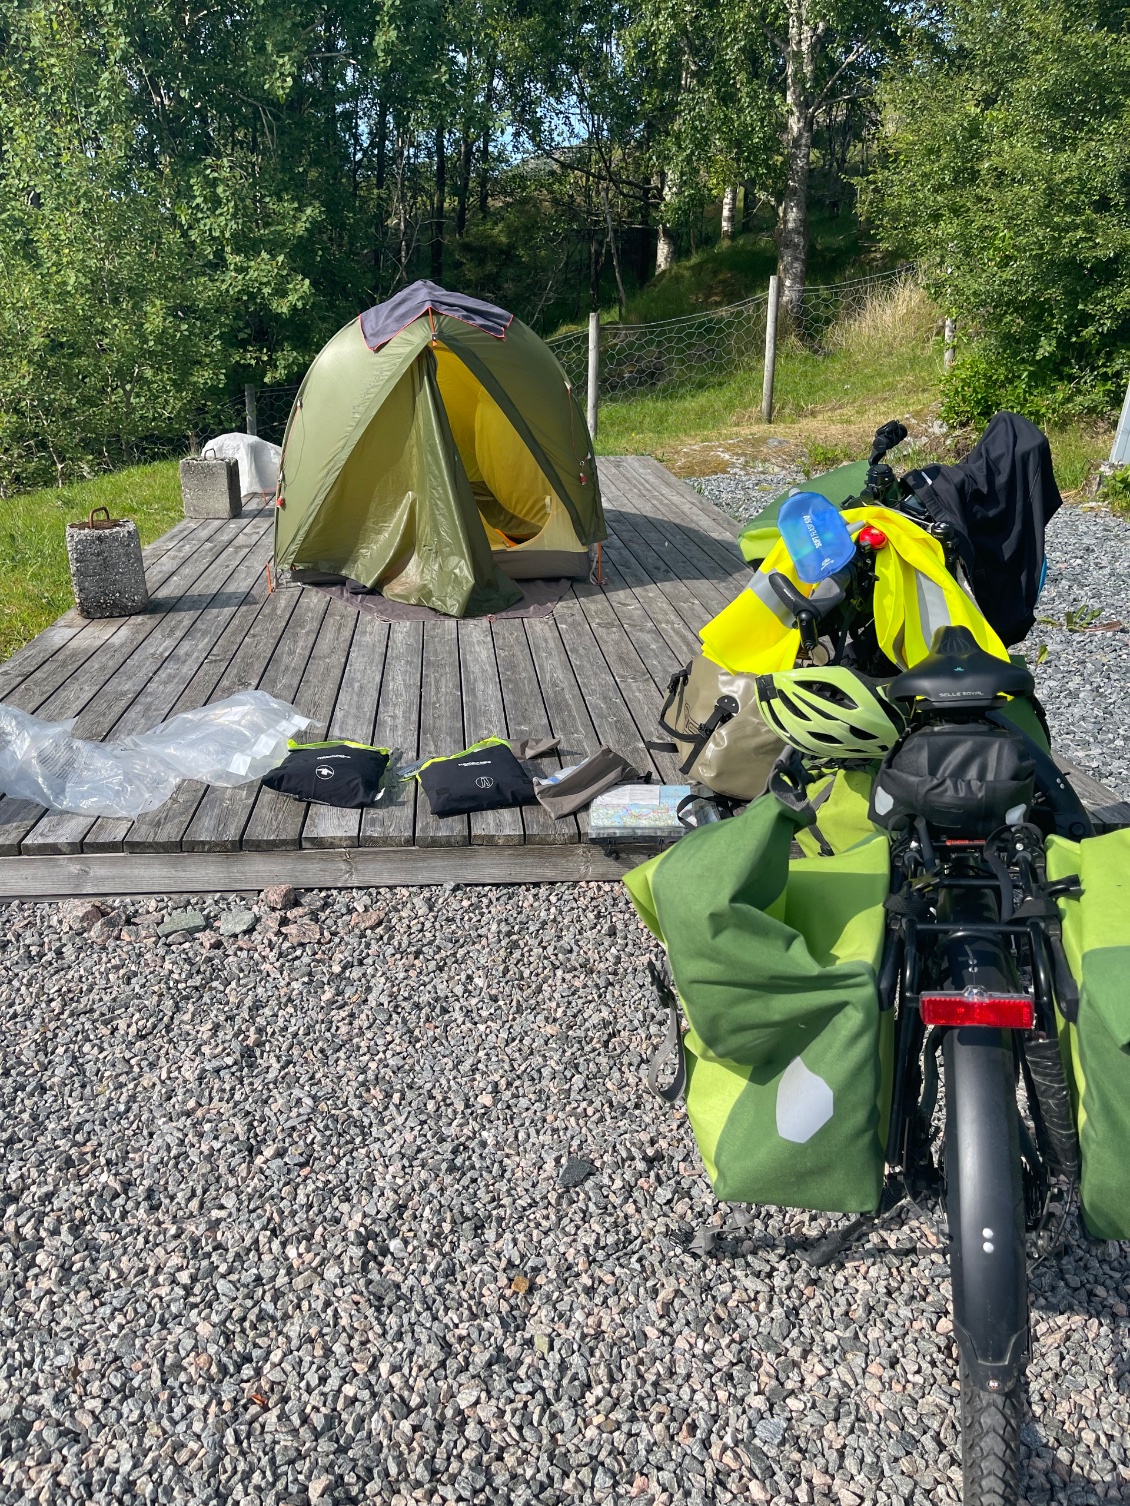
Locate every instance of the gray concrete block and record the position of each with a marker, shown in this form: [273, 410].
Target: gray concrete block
[210, 488]
[107, 570]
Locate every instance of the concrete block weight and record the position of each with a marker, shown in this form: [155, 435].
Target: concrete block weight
[107, 570]
[210, 488]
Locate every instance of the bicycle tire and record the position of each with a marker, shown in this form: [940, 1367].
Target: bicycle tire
[990, 1444]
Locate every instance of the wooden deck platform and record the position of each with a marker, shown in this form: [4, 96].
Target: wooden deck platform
[593, 673]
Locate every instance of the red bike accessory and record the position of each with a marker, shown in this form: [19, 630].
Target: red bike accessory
[973, 1007]
[874, 538]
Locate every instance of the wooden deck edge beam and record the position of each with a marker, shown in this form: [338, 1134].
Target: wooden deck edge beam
[306, 868]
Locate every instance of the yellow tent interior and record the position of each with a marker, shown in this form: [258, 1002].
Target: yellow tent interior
[529, 530]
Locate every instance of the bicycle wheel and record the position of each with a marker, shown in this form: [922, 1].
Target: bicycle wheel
[990, 1444]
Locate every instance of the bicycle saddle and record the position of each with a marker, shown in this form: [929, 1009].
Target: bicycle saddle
[958, 673]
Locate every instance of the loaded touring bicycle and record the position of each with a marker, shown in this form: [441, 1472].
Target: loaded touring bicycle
[901, 969]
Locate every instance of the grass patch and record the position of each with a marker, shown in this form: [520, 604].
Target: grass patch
[35, 582]
[882, 362]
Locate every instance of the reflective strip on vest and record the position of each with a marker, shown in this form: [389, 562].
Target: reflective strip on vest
[914, 595]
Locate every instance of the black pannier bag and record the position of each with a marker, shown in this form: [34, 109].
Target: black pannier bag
[971, 776]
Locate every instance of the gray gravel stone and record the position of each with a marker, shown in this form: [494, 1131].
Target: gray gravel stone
[182, 920]
[237, 922]
[743, 492]
[283, 1223]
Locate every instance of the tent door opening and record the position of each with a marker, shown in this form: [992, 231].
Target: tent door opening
[528, 528]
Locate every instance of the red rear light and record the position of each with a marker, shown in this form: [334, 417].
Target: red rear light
[1004, 1011]
[873, 537]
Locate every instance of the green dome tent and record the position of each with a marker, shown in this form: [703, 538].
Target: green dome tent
[435, 452]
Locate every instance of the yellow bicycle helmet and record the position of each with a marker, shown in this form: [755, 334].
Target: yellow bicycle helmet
[829, 711]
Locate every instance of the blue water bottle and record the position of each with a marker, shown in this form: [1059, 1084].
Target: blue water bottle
[815, 535]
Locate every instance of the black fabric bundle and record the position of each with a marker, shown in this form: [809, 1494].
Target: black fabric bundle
[478, 779]
[999, 499]
[345, 774]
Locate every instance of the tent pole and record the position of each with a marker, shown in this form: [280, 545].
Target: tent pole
[594, 372]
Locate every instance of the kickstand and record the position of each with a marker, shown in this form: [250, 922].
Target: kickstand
[893, 1199]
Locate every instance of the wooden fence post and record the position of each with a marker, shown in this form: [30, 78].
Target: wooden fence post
[594, 372]
[252, 425]
[770, 349]
[950, 343]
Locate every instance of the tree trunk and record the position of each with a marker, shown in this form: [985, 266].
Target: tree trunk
[484, 153]
[664, 250]
[439, 205]
[622, 297]
[792, 218]
[596, 266]
[748, 202]
[643, 254]
[729, 212]
[466, 156]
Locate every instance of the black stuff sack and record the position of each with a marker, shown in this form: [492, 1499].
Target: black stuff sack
[342, 773]
[484, 777]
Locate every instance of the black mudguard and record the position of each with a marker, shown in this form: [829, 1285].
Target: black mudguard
[985, 1202]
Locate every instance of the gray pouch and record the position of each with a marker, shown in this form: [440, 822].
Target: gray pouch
[573, 788]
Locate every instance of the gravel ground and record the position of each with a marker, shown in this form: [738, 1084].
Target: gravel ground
[364, 1198]
[367, 1200]
[742, 493]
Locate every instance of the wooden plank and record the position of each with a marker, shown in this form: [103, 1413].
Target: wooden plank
[441, 726]
[646, 467]
[526, 716]
[114, 706]
[73, 676]
[167, 874]
[484, 716]
[29, 688]
[565, 705]
[237, 662]
[666, 526]
[392, 823]
[612, 721]
[165, 694]
[1107, 811]
[277, 820]
[354, 715]
[17, 817]
[222, 815]
[639, 688]
[698, 598]
[622, 573]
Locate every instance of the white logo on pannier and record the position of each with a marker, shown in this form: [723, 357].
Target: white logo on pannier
[324, 771]
[484, 782]
[804, 1103]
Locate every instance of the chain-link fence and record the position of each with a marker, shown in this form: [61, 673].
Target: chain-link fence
[698, 349]
[695, 350]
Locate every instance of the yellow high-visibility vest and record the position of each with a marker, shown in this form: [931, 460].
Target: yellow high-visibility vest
[914, 595]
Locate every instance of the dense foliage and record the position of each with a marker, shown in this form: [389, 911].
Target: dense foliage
[1008, 176]
[192, 198]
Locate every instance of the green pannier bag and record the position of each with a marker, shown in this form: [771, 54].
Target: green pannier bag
[788, 1055]
[1096, 1048]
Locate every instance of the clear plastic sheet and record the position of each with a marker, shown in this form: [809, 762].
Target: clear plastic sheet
[229, 743]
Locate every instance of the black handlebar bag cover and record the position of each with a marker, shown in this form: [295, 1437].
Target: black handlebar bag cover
[343, 773]
[486, 777]
[999, 499]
